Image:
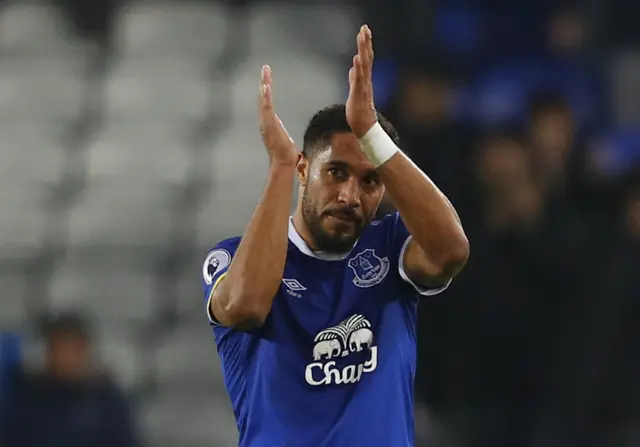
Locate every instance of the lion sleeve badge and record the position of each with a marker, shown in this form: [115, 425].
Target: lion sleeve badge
[216, 261]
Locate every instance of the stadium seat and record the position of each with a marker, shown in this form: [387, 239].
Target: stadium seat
[172, 89]
[267, 29]
[302, 85]
[193, 30]
[240, 157]
[497, 96]
[122, 356]
[39, 89]
[460, 30]
[33, 28]
[190, 304]
[616, 153]
[124, 215]
[144, 153]
[226, 215]
[30, 155]
[12, 298]
[126, 293]
[23, 222]
[318, 28]
[239, 172]
[185, 359]
[203, 418]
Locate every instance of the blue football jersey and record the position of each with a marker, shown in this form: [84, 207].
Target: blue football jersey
[335, 361]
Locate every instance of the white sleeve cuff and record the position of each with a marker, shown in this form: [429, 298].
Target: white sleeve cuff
[424, 291]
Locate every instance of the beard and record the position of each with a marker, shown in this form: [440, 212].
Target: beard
[322, 239]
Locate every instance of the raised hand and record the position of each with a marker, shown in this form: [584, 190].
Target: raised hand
[280, 146]
[361, 111]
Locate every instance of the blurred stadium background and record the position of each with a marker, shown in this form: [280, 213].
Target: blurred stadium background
[128, 147]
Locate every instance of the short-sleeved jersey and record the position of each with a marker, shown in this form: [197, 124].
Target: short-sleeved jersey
[334, 363]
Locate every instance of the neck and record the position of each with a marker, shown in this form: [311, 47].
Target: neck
[301, 228]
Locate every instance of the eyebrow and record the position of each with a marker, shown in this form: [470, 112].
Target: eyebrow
[346, 166]
[338, 164]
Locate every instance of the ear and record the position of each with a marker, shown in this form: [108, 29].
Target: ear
[303, 169]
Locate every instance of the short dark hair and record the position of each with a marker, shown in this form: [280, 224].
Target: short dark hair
[65, 324]
[333, 120]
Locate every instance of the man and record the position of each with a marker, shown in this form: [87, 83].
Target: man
[315, 315]
[70, 402]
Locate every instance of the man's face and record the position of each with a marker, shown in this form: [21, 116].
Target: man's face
[502, 164]
[341, 193]
[552, 135]
[69, 356]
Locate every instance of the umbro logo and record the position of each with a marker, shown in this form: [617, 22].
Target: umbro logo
[294, 287]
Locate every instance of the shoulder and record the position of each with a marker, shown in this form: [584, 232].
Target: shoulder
[382, 230]
[230, 244]
[219, 258]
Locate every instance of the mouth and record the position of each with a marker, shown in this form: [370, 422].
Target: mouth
[342, 219]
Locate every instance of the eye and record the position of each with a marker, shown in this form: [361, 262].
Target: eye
[336, 172]
[370, 180]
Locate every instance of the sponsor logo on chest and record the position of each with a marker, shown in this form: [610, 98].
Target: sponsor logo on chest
[333, 347]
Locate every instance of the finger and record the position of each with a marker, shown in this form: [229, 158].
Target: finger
[270, 123]
[364, 56]
[353, 74]
[358, 67]
[355, 71]
[365, 51]
[262, 89]
[267, 115]
[369, 40]
[361, 41]
[266, 89]
[267, 77]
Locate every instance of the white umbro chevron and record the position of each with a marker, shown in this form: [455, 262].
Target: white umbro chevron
[293, 285]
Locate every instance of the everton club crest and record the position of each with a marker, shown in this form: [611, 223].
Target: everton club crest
[368, 269]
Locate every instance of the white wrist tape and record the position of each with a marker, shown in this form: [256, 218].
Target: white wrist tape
[377, 145]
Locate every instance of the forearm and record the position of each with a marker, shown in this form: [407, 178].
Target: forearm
[425, 210]
[442, 247]
[253, 278]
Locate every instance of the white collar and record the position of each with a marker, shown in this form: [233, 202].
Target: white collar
[297, 240]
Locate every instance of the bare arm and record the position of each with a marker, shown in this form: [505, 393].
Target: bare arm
[438, 248]
[243, 298]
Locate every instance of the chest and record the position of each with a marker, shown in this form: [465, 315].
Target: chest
[335, 308]
[319, 292]
[333, 323]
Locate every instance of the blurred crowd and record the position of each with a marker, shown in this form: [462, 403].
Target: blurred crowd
[67, 399]
[509, 108]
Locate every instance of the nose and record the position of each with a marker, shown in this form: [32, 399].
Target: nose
[349, 193]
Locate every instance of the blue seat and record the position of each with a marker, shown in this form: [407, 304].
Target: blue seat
[624, 150]
[10, 354]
